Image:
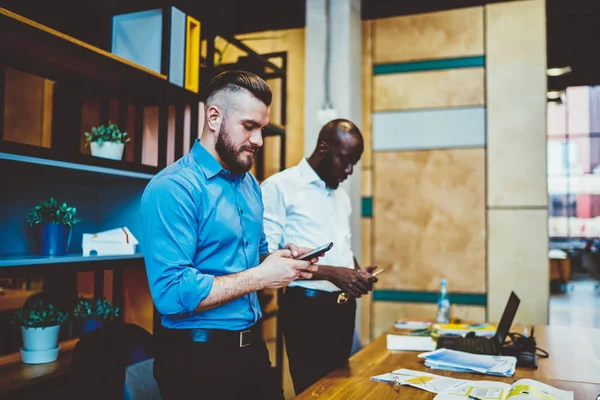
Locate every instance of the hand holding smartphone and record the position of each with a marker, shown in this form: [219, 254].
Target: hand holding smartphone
[316, 252]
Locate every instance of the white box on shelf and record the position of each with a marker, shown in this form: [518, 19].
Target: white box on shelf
[113, 242]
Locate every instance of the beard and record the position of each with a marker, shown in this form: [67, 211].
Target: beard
[235, 160]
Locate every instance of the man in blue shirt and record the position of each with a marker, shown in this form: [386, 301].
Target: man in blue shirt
[206, 254]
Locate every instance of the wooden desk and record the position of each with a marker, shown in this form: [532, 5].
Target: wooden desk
[574, 364]
[14, 375]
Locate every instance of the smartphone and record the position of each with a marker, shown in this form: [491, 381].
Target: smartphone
[315, 252]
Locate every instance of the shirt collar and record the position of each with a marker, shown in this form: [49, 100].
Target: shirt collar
[310, 175]
[209, 164]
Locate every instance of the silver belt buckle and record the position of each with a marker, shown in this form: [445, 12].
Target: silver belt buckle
[242, 343]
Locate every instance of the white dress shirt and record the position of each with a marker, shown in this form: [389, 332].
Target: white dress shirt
[300, 209]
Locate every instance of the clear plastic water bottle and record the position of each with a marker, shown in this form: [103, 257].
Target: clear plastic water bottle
[443, 310]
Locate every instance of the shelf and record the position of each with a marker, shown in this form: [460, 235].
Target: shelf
[22, 260]
[27, 42]
[74, 166]
[273, 130]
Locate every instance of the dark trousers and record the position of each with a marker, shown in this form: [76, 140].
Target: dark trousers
[318, 334]
[189, 370]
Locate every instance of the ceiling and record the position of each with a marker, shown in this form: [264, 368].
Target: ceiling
[573, 26]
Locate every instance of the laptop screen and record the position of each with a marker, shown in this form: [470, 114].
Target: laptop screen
[507, 318]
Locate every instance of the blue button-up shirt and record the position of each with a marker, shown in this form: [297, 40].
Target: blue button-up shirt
[200, 221]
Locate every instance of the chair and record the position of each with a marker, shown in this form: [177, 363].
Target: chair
[112, 362]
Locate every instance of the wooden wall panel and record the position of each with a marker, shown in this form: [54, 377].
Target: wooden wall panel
[518, 260]
[366, 189]
[385, 314]
[366, 225]
[138, 305]
[367, 95]
[431, 89]
[444, 34]
[429, 219]
[516, 103]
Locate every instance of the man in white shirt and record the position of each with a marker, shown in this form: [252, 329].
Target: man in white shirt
[304, 205]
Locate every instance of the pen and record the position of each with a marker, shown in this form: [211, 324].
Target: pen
[474, 398]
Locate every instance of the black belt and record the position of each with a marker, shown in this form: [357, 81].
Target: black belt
[219, 337]
[337, 296]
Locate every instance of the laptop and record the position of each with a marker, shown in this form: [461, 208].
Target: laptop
[484, 345]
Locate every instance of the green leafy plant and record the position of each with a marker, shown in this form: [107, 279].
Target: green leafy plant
[99, 308]
[110, 133]
[39, 315]
[50, 211]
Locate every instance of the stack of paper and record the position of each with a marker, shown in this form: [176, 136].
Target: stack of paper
[453, 360]
[409, 343]
[404, 324]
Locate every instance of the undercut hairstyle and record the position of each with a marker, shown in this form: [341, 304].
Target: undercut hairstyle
[236, 81]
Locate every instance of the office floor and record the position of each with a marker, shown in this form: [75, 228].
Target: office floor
[579, 306]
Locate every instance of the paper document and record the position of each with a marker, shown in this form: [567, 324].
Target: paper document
[410, 343]
[454, 389]
[454, 360]
[523, 389]
[420, 380]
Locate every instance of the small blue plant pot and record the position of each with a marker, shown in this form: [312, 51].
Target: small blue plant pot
[54, 239]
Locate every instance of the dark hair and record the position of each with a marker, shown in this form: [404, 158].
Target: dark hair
[238, 80]
[329, 131]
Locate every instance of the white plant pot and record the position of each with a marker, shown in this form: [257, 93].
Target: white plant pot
[35, 339]
[39, 356]
[110, 150]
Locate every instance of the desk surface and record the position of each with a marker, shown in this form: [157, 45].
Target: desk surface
[574, 364]
[15, 375]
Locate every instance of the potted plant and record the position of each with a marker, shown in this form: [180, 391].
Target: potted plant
[107, 142]
[93, 314]
[55, 224]
[40, 325]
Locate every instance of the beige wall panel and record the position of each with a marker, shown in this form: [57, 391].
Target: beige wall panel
[385, 314]
[429, 219]
[518, 260]
[367, 87]
[516, 103]
[292, 41]
[366, 226]
[366, 189]
[444, 34]
[431, 89]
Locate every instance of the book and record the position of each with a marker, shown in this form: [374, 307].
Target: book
[410, 343]
[486, 330]
[522, 389]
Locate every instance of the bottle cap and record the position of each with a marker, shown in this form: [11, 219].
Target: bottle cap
[444, 281]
